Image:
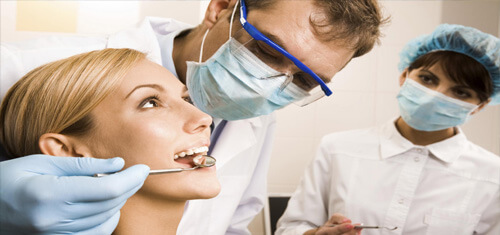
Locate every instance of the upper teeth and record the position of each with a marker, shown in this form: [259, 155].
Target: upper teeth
[191, 152]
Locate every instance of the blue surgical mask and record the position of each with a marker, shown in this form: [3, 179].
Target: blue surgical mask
[428, 110]
[234, 84]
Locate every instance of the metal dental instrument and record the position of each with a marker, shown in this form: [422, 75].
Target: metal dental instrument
[209, 161]
[199, 161]
[374, 227]
[367, 227]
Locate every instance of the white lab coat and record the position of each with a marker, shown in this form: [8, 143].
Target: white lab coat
[243, 148]
[377, 177]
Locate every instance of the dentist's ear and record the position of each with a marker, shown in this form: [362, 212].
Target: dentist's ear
[403, 76]
[62, 145]
[215, 9]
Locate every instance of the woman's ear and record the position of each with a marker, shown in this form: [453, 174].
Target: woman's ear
[215, 9]
[403, 76]
[62, 145]
[481, 106]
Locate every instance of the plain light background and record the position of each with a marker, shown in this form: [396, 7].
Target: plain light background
[364, 92]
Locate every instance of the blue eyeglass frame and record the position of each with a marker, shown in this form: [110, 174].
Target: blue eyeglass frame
[257, 35]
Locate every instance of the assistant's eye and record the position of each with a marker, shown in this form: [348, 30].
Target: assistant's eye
[461, 93]
[150, 102]
[426, 79]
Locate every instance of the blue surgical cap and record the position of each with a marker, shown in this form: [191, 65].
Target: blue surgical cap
[482, 47]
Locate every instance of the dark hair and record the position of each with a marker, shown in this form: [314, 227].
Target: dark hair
[461, 68]
[355, 22]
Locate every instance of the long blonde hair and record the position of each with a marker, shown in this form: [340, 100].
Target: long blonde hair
[59, 96]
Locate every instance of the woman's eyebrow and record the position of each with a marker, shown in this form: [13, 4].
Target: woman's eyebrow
[154, 86]
[458, 86]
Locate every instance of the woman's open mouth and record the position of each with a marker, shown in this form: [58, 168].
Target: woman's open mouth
[186, 156]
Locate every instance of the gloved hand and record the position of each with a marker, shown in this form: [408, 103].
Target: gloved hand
[58, 195]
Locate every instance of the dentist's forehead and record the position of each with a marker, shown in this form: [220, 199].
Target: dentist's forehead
[293, 30]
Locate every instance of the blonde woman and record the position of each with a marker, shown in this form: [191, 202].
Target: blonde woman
[115, 102]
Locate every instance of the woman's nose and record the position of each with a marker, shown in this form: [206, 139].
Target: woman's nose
[196, 120]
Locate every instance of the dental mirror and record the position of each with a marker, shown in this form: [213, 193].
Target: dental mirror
[199, 162]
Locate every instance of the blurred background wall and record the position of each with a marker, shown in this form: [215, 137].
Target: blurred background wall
[364, 92]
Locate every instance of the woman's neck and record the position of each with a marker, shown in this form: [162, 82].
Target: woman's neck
[143, 215]
[422, 138]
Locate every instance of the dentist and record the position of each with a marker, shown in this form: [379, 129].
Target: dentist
[246, 59]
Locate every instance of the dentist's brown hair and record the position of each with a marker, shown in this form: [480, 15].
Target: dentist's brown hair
[356, 22]
[58, 97]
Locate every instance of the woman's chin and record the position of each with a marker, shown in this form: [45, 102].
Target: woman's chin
[211, 192]
[206, 189]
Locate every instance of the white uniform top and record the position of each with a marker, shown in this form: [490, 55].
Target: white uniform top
[377, 177]
[243, 148]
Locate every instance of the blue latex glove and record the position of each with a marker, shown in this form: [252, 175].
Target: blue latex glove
[43, 194]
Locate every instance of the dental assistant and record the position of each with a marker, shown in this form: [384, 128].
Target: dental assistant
[244, 61]
[418, 172]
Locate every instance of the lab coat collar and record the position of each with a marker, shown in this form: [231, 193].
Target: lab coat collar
[166, 30]
[142, 39]
[450, 149]
[146, 39]
[236, 137]
[392, 143]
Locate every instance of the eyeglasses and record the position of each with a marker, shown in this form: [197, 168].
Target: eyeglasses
[307, 75]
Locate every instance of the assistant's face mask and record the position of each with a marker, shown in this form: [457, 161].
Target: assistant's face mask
[427, 110]
[234, 84]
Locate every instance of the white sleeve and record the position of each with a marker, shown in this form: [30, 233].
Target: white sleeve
[255, 194]
[490, 219]
[18, 58]
[308, 207]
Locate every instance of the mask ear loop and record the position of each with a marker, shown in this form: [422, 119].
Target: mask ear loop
[232, 18]
[202, 44]
[206, 33]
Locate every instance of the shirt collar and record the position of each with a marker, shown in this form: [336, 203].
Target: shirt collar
[450, 149]
[166, 30]
[167, 45]
[392, 143]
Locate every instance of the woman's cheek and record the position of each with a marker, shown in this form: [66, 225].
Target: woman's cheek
[149, 142]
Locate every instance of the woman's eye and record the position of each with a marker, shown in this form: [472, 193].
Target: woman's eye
[187, 99]
[151, 102]
[462, 94]
[426, 79]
